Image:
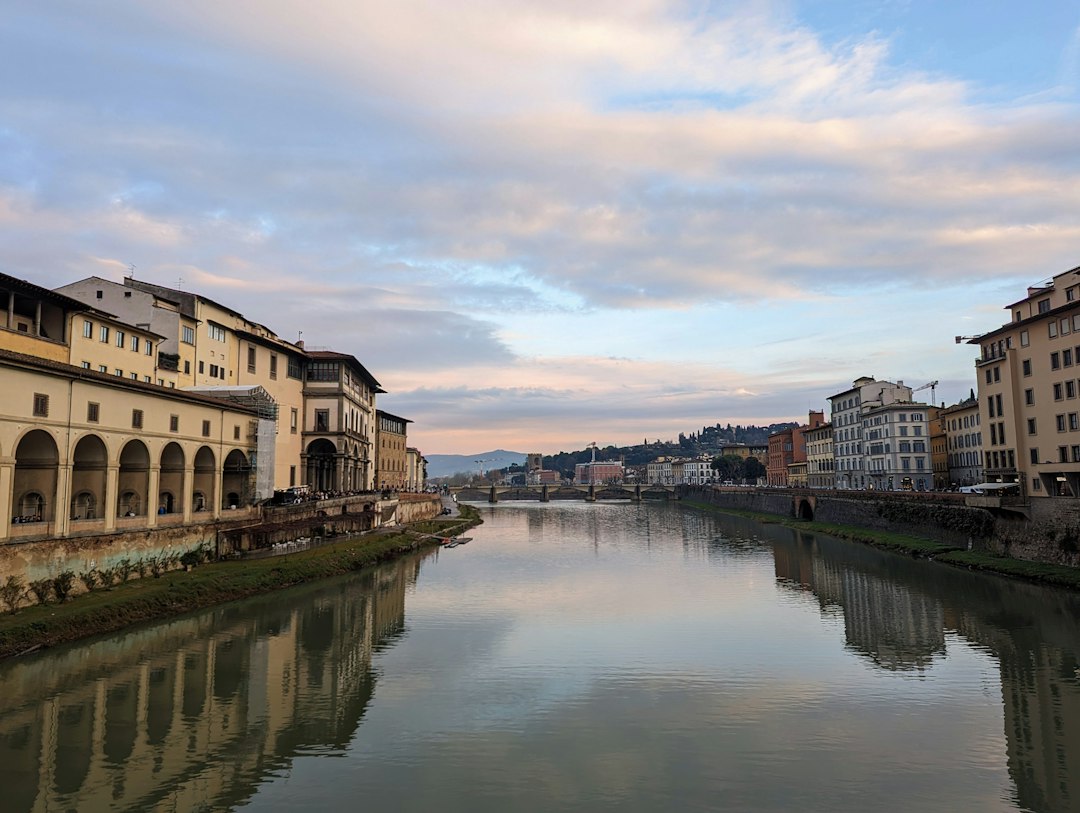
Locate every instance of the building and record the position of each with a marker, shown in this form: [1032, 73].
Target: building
[534, 461]
[820, 462]
[698, 472]
[939, 449]
[339, 417]
[207, 344]
[391, 448]
[896, 446]
[598, 473]
[659, 472]
[744, 451]
[415, 469]
[787, 447]
[963, 442]
[1028, 393]
[847, 410]
[536, 477]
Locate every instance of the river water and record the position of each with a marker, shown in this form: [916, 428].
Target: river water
[573, 656]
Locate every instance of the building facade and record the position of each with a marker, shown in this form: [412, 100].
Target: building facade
[847, 409]
[820, 462]
[963, 443]
[391, 445]
[897, 446]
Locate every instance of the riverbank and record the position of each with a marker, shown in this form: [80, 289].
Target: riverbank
[179, 591]
[1058, 575]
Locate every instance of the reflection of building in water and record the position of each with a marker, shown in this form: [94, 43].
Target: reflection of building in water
[193, 713]
[1030, 630]
[896, 626]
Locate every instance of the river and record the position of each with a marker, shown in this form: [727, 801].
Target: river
[579, 657]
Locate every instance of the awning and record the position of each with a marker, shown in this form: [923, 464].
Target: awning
[994, 486]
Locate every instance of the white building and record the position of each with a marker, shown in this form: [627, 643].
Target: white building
[847, 412]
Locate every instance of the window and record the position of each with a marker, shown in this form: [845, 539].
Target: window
[1031, 426]
[1025, 365]
[174, 423]
[292, 476]
[103, 335]
[1029, 397]
[1058, 419]
[292, 421]
[86, 365]
[221, 373]
[41, 405]
[146, 378]
[134, 376]
[993, 432]
[187, 335]
[236, 432]
[135, 344]
[1070, 294]
[136, 418]
[322, 420]
[1058, 393]
[148, 348]
[1024, 339]
[202, 367]
[273, 366]
[1074, 421]
[1064, 327]
[1036, 484]
[161, 382]
[323, 371]
[997, 401]
[118, 373]
[87, 329]
[187, 367]
[1063, 454]
[1055, 361]
[206, 429]
[988, 375]
[251, 359]
[120, 338]
[1034, 455]
[1066, 358]
[93, 411]
[102, 368]
[1070, 389]
[1052, 328]
[990, 405]
[997, 373]
[294, 369]
[216, 332]
[213, 371]
[1044, 305]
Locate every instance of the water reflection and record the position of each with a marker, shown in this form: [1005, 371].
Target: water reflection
[194, 713]
[898, 612]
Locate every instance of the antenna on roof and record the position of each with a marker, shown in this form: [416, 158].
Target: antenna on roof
[131, 270]
[179, 283]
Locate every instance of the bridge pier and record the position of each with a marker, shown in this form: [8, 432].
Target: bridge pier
[637, 493]
[591, 495]
[544, 494]
[493, 496]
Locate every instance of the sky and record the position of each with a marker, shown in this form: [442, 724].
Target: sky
[545, 224]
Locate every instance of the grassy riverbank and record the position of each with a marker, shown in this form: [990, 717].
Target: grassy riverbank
[1059, 575]
[179, 591]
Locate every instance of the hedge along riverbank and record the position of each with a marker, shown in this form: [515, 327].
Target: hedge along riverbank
[178, 591]
[1058, 575]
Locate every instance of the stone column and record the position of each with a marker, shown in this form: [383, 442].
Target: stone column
[187, 492]
[493, 495]
[7, 485]
[544, 496]
[112, 495]
[62, 500]
[219, 492]
[153, 495]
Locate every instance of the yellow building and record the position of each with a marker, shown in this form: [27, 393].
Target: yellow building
[391, 456]
[1029, 393]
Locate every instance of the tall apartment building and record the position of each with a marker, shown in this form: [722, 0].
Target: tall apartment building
[1029, 395]
[787, 449]
[896, 446]
[847, 409]
[963, 442]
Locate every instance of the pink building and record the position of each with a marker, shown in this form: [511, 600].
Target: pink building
[598, 473]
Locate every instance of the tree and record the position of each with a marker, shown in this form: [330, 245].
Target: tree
[728, 467]
[752, 469]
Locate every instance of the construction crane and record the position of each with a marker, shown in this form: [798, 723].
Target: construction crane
[933, 388]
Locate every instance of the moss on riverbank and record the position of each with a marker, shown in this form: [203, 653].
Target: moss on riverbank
[181, 591]
[1059, 575]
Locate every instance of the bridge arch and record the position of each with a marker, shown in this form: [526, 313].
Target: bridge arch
[805, 508]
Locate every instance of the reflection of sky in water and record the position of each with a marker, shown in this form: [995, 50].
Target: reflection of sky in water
[601, 657]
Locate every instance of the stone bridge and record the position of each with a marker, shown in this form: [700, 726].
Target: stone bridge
[552, 491]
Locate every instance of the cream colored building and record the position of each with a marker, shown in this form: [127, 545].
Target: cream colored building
[391, 464]
[416, 469]
[963, 443]
[820, 460]
[1029, 393]
[105, 344]
[339, 421]
[216, 346]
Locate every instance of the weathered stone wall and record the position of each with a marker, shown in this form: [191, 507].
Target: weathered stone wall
[1051, 534]
[418, 507]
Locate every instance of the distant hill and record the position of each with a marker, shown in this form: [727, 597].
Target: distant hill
[443, 465]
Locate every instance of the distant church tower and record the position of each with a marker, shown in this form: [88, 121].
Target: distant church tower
[533, 461]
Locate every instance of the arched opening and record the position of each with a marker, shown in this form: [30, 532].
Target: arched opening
[89, 464]
[806, 511]
[322, 465]
[134, 480]
[34, 488]
[171, 482]
[236, 480]
[205, 480]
